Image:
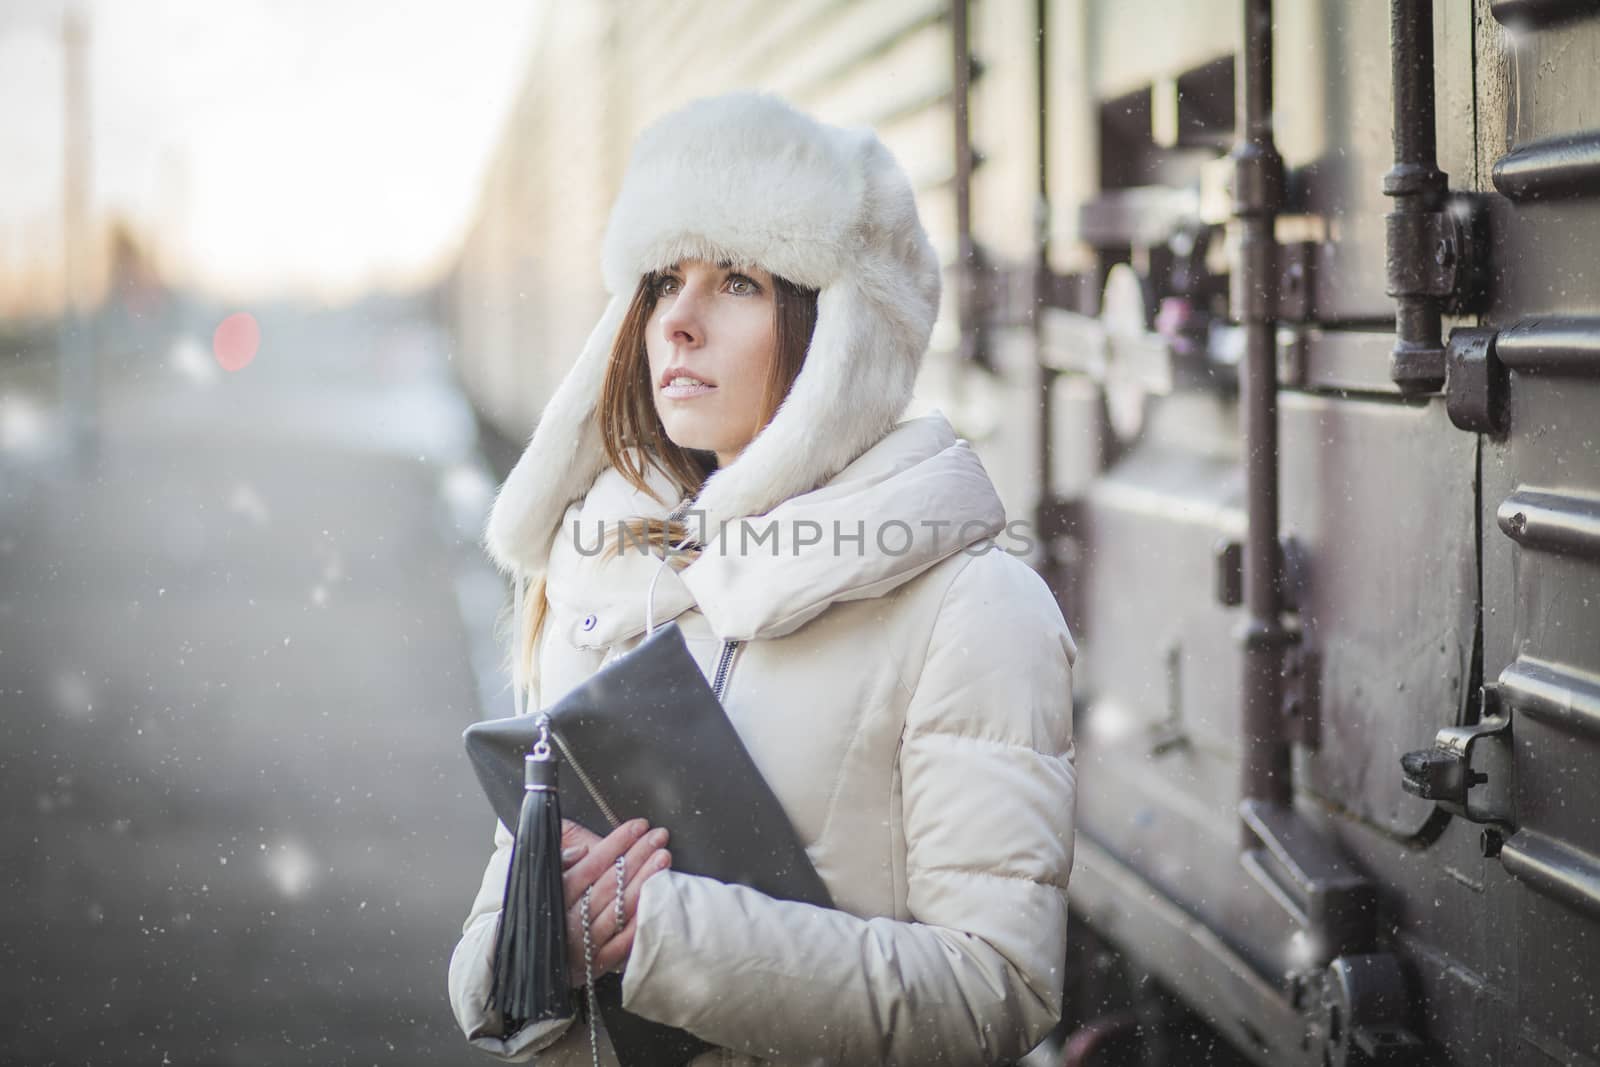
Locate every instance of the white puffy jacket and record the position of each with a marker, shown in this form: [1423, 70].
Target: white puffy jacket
[911, 710]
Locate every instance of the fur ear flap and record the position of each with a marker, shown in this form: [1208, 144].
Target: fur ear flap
[562, 460]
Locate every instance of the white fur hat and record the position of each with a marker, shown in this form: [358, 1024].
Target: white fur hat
[748, 179]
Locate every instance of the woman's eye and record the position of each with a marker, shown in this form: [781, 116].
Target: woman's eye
[741, 285]
[667, 285]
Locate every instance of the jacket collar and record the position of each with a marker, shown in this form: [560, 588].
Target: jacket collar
[918, 496]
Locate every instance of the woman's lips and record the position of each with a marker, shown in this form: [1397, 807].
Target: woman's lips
[685, 388]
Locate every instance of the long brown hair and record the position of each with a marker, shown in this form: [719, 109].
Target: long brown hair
[635, 439]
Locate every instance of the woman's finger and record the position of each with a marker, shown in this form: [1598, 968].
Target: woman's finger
[595, 866]
[574, 835]
[570, 856]
[616, 952]
[616, 947]
[602, 854]
[602, 902]
[602, 922]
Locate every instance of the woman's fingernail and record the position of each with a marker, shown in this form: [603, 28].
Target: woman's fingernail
[573, 854]
[658, 838]
[638, 826]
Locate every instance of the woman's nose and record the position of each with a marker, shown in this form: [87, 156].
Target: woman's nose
[682, 323]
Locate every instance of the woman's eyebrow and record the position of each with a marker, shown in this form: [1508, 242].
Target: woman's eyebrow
[676, 270]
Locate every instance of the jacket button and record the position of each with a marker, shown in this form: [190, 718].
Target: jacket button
[589, 622]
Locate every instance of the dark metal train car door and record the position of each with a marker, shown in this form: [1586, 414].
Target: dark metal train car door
[1442, 543]
[1538, 94]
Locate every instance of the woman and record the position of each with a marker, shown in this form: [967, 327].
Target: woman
[902, 683]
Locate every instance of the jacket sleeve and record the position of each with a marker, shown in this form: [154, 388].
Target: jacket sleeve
[555, 1042]
[975, 975]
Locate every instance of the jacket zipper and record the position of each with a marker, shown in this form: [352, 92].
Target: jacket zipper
[588, 783]
[719, 683]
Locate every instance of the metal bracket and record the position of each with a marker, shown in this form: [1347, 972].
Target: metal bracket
[1301, 677]
[1229, 557]
[1305, 873]
[1302, 711]
[1434, 261]
[1427, 253]
[1297, 264]
[1229, 581]
[1445, 773]
[1476, 382]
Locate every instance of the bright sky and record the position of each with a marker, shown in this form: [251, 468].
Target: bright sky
[274, 147]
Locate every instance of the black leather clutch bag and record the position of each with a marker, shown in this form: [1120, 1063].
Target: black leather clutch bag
[646, 736]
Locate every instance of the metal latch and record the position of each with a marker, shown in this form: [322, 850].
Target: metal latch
[1462, 776]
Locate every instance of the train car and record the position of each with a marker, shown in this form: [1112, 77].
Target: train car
[1282, 323]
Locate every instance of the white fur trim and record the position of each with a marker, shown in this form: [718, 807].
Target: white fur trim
[562, 459]
[748, 179]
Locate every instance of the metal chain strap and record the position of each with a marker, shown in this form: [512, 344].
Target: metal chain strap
[588, 976]
[620, 912]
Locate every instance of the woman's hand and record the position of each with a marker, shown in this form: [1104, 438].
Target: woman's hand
[589, 861]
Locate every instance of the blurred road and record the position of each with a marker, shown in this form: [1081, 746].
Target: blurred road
[237, 652]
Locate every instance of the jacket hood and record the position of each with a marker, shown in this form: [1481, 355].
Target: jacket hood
[918, 496]
[748, 179]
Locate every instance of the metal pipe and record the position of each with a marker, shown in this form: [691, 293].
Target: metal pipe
[1042, 273]
[1418, 187]
[1258, 193]
[967, 279]
[960, 89]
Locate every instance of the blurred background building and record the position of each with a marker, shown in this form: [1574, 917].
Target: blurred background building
[243, 612]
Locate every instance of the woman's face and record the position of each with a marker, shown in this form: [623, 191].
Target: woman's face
[712, 343]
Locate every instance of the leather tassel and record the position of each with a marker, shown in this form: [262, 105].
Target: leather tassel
[530, 971]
